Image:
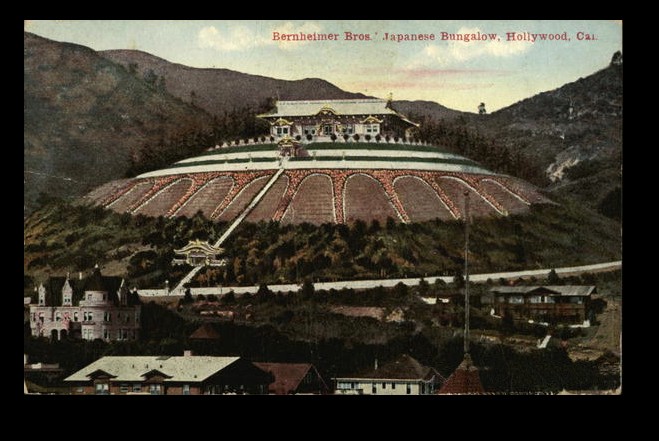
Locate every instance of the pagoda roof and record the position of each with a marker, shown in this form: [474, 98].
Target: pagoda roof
[200, 245]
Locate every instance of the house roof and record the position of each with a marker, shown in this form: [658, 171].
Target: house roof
[288, 376]
[133, 368]
[564, 290]
[369, 107]
[340, 107]
[205, 332]
[94, 282]
[404, 367]
[465, 380]
[198, 245]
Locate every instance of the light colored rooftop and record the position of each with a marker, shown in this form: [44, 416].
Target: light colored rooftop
[561, 290]
[132, 368]
[340, 107]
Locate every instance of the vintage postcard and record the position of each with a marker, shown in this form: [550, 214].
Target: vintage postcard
[322, 207]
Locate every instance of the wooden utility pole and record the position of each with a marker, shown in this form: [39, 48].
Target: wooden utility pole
[466, 335]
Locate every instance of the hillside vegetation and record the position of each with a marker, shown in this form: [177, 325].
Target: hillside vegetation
[63, 237]
[85, 118]
[222, 90]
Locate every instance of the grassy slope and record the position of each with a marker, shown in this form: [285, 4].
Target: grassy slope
[64, 238]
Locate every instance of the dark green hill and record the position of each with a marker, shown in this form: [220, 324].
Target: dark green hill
[85, 118]
[222, 90]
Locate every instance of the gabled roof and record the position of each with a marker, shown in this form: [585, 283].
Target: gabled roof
[465, 380]
[133, 368]
[205, 332]
[404, 367]
[94, 282]
[565, 290]
[288, 376]
[99, 373]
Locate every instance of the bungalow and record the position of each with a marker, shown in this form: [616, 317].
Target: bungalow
[551, 304]
[167, 375]
[403, 376]
[294, 378]
[322, 119]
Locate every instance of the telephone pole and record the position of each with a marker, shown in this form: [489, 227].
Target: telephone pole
[466, 335]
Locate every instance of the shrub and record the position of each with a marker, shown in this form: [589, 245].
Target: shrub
[262, 138]
[309, 137]
[387, 138]
[346, 137]
[355, 137]
[272, 139]
[298, 137]
[378, 138]
[367, 138]
[333, 137]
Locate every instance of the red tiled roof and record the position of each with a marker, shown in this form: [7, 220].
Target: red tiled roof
[464, 380]
[205, 332]
[288, 376]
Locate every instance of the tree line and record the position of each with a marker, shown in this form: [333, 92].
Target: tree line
[455, 137]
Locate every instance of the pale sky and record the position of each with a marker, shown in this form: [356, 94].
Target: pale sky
[456, 74]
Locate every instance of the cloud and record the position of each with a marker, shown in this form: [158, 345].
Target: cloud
[240, 38]
[459, 50]
[237, 38]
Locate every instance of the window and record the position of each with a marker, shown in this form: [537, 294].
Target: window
[89, 296]
[384, 385]
[327, 130]
[58, 316]
[75, 316]
[80, 389]
[137, 388]
[102, 389]
[374, 390]
[372, 128]
[124, 388]
[106, 334]
[408, 390]
[393, 385]
[155, 389]
[186, 389]
[34, 316]
[107, 316]
[282, 130]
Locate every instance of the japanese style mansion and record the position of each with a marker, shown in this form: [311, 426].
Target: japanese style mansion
[319, 120]
[96, 307]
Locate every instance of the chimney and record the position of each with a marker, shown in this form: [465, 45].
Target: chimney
[187, 353]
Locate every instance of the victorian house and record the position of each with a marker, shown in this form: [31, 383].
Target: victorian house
[89, 308]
